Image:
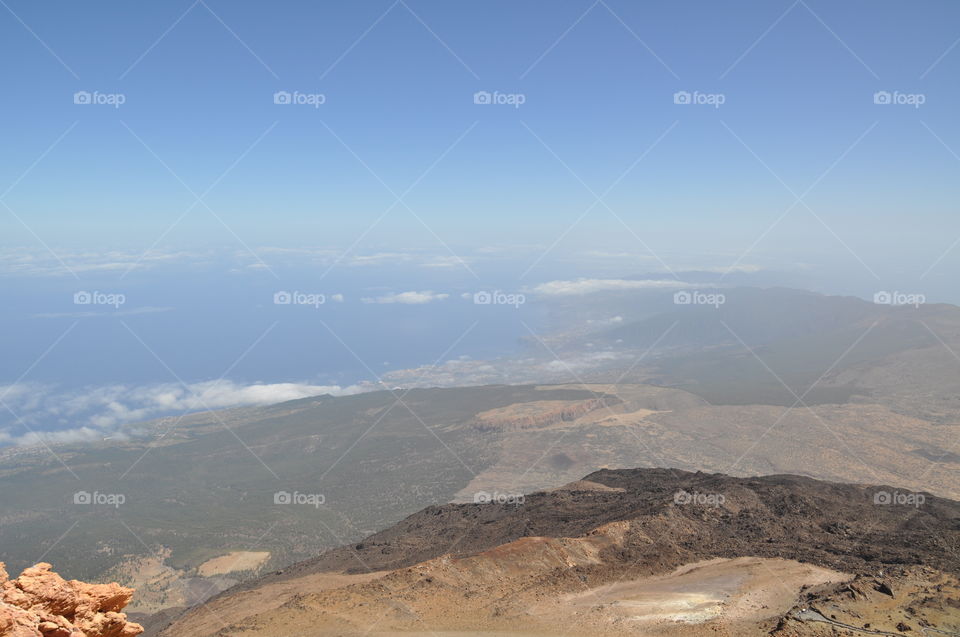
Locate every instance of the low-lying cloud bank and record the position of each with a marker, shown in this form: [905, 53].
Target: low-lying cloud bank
[589, 286]
[408, 298]
[94, 413]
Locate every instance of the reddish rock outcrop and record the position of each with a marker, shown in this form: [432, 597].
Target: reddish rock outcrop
[40, 603]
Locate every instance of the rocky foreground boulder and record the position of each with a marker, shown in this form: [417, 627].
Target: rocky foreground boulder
[40, 603]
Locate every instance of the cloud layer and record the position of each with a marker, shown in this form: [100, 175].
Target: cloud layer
[408, 298]
[96, 412]
[589, 286]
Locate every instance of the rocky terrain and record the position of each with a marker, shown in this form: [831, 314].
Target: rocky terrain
[375, 461]
[663, 551]
[40, 603]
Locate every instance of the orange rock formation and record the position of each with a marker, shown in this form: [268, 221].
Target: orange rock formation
[40, 603]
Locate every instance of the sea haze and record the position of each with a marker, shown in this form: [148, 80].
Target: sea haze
[170, 326]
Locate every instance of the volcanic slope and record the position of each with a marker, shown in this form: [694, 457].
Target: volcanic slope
[658, 551]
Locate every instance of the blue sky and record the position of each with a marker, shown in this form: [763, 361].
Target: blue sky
[199, 196]
[398, 79]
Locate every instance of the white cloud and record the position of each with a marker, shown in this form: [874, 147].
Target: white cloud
[35, 262]
[380, 258]
[91, 413]
[130, 312]
[744, 268]
[444, 262]
[589, 286]
[613, 320]
[408, 298]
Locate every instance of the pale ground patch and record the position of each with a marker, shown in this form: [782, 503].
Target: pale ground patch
[745, 589]
[233, 563]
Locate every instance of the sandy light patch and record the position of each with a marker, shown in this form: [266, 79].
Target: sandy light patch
[234, 562]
